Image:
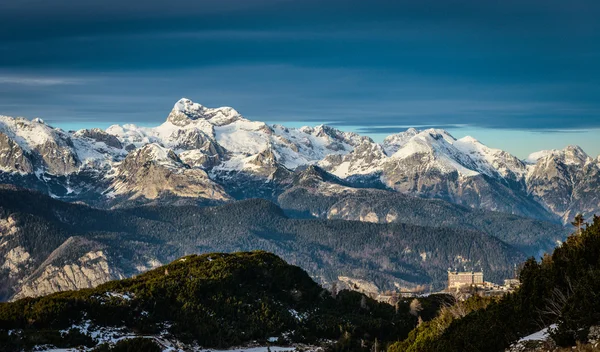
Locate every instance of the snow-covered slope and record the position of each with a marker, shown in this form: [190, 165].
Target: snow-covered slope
[565, 181]
[152, 171]
[434, 149]
[223, 148]
[53, 151]
[490, 161]
[392, 143]
[190, 126]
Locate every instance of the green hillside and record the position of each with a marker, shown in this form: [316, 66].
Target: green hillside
[562, 289]
[214, 300]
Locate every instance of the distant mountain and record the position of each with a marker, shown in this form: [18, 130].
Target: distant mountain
[48, 245]
[217, 155]
[215, 300]
[433, 164]
[565, 181]
[316, 193]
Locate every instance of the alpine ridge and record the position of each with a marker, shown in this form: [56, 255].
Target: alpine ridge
[213, 155]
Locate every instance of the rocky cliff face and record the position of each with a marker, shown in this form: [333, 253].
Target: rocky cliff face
[90, 270]
[566, 182]
[315, 193]
[51, 150]
[12, 157]
[153, 171]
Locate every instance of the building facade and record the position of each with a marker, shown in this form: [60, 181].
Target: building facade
[458, 279]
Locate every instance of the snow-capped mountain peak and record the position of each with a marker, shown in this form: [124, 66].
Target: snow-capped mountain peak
[575, 155]
[491, 161]
[208, 148]
[186, 111]
[570, 155]
[155, 153]
[430, 140]
[393, 142]
[534, 157]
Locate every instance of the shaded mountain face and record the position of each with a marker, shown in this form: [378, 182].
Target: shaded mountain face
[245, 159]
[216, 300]
[565, 181]
[47, 245]
[152, 172]
[317, 193]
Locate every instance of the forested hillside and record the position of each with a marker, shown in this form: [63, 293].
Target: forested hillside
[213, 300]
[562, 289]
[121, 243]
[319, 194]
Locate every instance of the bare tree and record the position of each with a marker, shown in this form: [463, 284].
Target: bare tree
[415, 307]
[578, 222]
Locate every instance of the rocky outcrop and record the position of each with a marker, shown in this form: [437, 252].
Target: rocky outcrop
[12, 157]
[15, 260]
[57, 157]
[186, 111]
[90, 270]
[198, 149]
[566, 182]
[153, 171]
[99, 135]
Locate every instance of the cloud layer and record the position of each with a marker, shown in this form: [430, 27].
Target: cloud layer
[493, 64]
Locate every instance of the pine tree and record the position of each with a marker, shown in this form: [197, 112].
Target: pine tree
[578, 222]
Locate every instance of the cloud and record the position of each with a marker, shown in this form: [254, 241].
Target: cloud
[502, 65]
[395, 129]
[38, 81]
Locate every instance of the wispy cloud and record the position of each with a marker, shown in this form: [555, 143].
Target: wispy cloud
[38, 81]
[396, 129]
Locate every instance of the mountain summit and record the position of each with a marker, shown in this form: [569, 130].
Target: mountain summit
[251, 158]
[186, 110]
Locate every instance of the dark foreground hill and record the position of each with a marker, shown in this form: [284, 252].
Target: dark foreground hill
[49, 245]
[212, 300]
[563, 289]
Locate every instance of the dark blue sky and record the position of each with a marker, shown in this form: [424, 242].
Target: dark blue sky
[473, 66]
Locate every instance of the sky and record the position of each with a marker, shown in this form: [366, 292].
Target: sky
[520, 75]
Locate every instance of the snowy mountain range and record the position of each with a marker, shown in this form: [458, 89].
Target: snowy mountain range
[202, 154]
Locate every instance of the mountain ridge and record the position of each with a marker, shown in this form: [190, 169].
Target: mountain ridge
[239, 155]
[49, 245]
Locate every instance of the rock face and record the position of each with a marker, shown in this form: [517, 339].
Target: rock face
[153, 171]
[101, 136]
[51, 150]
[566, 182]
[12, 157]
[218, 154]
[316, 193]
[91, 270]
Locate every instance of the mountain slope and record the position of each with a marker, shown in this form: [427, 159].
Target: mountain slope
[130, 241]
[152, 172]
[213, 300]
[252, 159]
[565, 181]
[319, 194]
[562, 289]
[433, 164]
